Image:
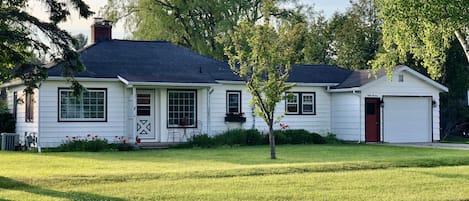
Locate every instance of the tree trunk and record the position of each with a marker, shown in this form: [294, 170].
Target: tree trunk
[464, 43]
[272, 140]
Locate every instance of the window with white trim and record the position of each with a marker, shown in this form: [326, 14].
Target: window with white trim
[307, 103]
[301, 103]
[292, 103]
[233, 102]
[182, 108]
[90, 106]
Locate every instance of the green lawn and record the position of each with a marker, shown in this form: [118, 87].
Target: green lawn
[302, 172]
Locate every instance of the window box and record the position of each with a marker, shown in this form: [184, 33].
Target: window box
[235, 118]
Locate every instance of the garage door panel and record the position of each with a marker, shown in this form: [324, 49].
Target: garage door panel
[407, 119]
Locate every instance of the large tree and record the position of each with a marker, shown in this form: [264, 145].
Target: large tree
[355, 35]
[192, 24]
[24, 37]
[423, 30]
[262, 55]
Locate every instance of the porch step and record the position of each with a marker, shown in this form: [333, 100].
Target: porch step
[156, 145]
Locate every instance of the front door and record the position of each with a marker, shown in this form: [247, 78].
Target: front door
[372, 120]
[145, 114]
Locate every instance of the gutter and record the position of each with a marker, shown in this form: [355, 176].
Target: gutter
[163, 84]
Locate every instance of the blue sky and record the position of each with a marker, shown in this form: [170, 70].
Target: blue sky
[76, 25]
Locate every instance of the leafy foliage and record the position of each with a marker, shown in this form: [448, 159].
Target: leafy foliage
[422, 29]
[262, 56]
[22, 36]
[242, 137]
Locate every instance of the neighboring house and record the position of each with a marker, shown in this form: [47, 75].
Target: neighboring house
[159, 92]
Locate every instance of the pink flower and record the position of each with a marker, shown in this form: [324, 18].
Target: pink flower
[123, 141]
[89, 135]
[116, 136]
[73, 137]
[66, 136]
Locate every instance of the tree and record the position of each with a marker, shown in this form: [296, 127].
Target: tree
[262, 56]
[422, 29]
[192, 24]
[23, 37]
[356, 35]
[80, 41]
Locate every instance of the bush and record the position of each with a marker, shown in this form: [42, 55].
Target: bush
[93, 145]
[318, 139]
[253, 137]
[203, 141]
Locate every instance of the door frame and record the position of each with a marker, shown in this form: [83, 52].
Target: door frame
[377, 102]
[152, 117]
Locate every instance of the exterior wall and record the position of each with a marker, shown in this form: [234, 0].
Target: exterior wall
[23, 127]
[411, 86]
[53, 133]
[320, 123]
[346, 115]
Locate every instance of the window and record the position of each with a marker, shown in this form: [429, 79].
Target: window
[401, 77]
[91, 106]
[143, 104]
[307, 103]
[233, 102]
[292, 104]
[182, 108]
[303, 103]
[29, 108]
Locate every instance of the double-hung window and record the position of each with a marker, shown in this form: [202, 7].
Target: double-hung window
[307, 103]
[293, 104]
[233, 102]
[182, 108]
[90, 106]
[302, 103]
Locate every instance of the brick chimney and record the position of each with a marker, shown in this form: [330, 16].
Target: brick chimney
[101, 30]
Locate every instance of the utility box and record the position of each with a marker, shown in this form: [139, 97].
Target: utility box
[9, 141]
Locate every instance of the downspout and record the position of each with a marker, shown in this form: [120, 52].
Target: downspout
[209, 92]
[134, 113]
[39, 147]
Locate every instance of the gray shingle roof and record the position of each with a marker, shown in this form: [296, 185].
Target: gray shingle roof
[360, 78]
[160, 61]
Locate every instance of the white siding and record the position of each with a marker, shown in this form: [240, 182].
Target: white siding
[22, 126]
[53, 133]
[346, 115]
[320, 123]
[411, 86]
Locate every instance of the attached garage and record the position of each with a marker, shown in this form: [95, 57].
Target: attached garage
[400, 108]
[407, 119]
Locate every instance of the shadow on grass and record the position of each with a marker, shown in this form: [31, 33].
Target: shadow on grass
[11, 184]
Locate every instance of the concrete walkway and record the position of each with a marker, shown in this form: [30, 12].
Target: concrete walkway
[432, 145]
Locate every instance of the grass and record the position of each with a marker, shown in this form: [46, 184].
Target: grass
[455, 139]
[302, 172]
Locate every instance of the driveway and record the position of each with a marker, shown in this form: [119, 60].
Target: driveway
[432, 145]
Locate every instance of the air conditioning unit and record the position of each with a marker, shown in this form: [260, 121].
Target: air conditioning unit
[9, 141]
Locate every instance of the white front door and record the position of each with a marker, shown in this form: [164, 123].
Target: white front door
[146, 114]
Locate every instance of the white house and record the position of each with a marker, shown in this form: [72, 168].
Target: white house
[159, 92]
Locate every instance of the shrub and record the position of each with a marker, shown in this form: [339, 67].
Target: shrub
[318, 139]
[298, 136]
[280, 137]
[332, 139]
[231, 137]
[253, 137]
[93, 145]
[203, 141]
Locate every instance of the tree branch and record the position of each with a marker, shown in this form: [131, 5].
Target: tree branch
[464, 44]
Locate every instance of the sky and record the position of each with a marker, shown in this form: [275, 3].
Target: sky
[77, 25]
